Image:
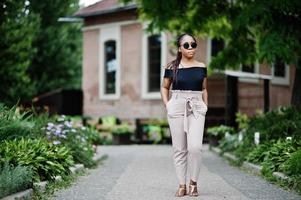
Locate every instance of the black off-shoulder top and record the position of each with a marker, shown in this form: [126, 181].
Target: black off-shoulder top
[189, 78]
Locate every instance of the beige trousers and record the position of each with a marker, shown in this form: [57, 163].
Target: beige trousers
[186, 112]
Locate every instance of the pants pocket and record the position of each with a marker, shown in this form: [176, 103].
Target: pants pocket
[168, 102]
[175, 108]
[200, 108]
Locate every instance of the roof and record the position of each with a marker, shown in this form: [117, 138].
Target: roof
[104, 7]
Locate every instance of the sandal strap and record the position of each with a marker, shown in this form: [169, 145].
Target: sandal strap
[193, 188]
[180, 191]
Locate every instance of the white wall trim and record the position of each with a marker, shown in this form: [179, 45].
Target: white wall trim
[96, 27]
[144, 72]
[280, 80]
[109, 33]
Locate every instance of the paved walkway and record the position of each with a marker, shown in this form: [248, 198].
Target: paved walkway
[146, 172]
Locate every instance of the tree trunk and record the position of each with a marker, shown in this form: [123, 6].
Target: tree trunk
[296, 94]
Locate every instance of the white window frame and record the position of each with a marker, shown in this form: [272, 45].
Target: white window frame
[106, 33]
[276, 80]
[144, 80]
[209, 47]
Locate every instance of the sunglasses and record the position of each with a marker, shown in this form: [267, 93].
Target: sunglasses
[193, 45]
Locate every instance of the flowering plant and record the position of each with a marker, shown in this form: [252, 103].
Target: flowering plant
[78, 138]
[61, 129]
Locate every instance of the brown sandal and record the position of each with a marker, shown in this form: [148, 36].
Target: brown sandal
[181, 191]
[193, 190]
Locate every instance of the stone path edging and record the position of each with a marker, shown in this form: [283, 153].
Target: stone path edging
[250, 166]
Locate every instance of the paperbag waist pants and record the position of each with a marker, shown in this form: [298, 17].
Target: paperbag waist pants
[186, 113]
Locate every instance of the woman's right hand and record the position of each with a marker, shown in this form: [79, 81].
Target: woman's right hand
[165, 90]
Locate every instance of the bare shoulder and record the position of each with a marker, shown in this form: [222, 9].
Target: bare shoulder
[200, 64]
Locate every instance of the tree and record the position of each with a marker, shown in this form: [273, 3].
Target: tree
[17, 29]
[253, 30]
[37, 53]
[57, 63]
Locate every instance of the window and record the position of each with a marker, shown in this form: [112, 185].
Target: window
[154, 57]
[279, 68]
[216, 46]
[154, 63]
[248, 68]
[110, 66]
[109, 56]
[280, 73]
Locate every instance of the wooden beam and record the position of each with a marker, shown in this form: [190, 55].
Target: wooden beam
[231, 106]
[266, 92]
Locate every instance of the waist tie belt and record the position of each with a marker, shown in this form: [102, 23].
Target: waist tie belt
[188, 107]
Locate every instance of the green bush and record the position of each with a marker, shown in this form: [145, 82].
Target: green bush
[153, 133]
[217, 133]
[244, 148]
[14, 179]
[155, 130]
[108, 120]
[106, 138]
[258, 154]
[281, 122]
[16, 124]
[40, 120]
[292, 166]
[13, 124]
[45, 159]
[277, 124]
[229, 142]
[81, 150]
[278, 153]
[220, 130]
[242, 120]
[122, 129]
[92, 134]
[158, 122]
[279, 147]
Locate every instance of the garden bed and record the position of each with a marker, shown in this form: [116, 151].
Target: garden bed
[257, 169]
[41, 186]
[268, 144]
[38, 148]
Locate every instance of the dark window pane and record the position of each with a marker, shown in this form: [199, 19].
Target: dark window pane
[110, 67]
[216, 46]
[154, 63]
[248, 68]
[279, 68]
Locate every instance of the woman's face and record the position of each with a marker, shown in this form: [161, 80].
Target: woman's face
[190, 52]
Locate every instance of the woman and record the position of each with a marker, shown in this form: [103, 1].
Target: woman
[186, 110]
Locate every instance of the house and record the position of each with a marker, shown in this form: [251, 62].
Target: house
[123, 69]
